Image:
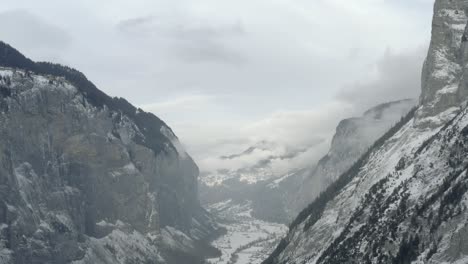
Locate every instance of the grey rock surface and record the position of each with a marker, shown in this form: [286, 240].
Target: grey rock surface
[83, 183]
[444, 80]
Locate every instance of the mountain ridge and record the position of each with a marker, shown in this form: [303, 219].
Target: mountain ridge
[353, 137]
[405, 201]
[87, 178]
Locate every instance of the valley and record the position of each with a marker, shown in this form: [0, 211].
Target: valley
[248, 240]
[311, 153]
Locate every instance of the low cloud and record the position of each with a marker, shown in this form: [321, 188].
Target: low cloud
[180, 104]
[299, 128]
[397, 76]
[134, 25]
[189, 39]
[273, 158]
[306, 132]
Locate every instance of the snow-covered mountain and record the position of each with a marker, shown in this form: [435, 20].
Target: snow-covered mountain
[86, 178]
[255, 201]
[279, 195]
[352, 138]
[255, 170]
[405, 200]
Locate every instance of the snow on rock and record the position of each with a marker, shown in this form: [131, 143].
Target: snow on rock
[307, 245]
[444, 68]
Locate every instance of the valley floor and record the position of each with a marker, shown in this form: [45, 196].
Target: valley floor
[247, 240]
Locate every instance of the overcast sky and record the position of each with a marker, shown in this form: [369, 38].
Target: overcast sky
[224, 74]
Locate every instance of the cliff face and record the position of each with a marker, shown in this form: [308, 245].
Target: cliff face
[444, 77]
[86, 178]
[352, 138]
[405, 200]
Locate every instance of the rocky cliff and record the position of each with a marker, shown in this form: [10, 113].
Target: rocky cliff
[444, 77]
[405, 200]
[352, 138]
[86, 178]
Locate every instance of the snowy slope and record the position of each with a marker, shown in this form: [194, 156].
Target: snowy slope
[352, 139]
[404, 201]
[409, 195]
[249, 208]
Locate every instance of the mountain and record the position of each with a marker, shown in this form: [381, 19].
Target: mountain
[244, 204]
[250, 178]
[279, 195]
[352, 138]
[255, 202]
[87, 178]
[405, 200]
[255, 164]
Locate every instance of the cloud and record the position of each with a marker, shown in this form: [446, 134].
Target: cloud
[189, 39]
[397, 76]
[299, 128]
[180, 104]
[227, 74]
[134, 24]
[202, 122]
[207, 50]
[284, 131]
[275, 158]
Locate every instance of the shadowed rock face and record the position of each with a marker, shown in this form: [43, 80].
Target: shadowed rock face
[89, 178]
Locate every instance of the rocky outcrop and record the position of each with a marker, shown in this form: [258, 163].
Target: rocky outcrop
[86, 178]
[444, 77]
